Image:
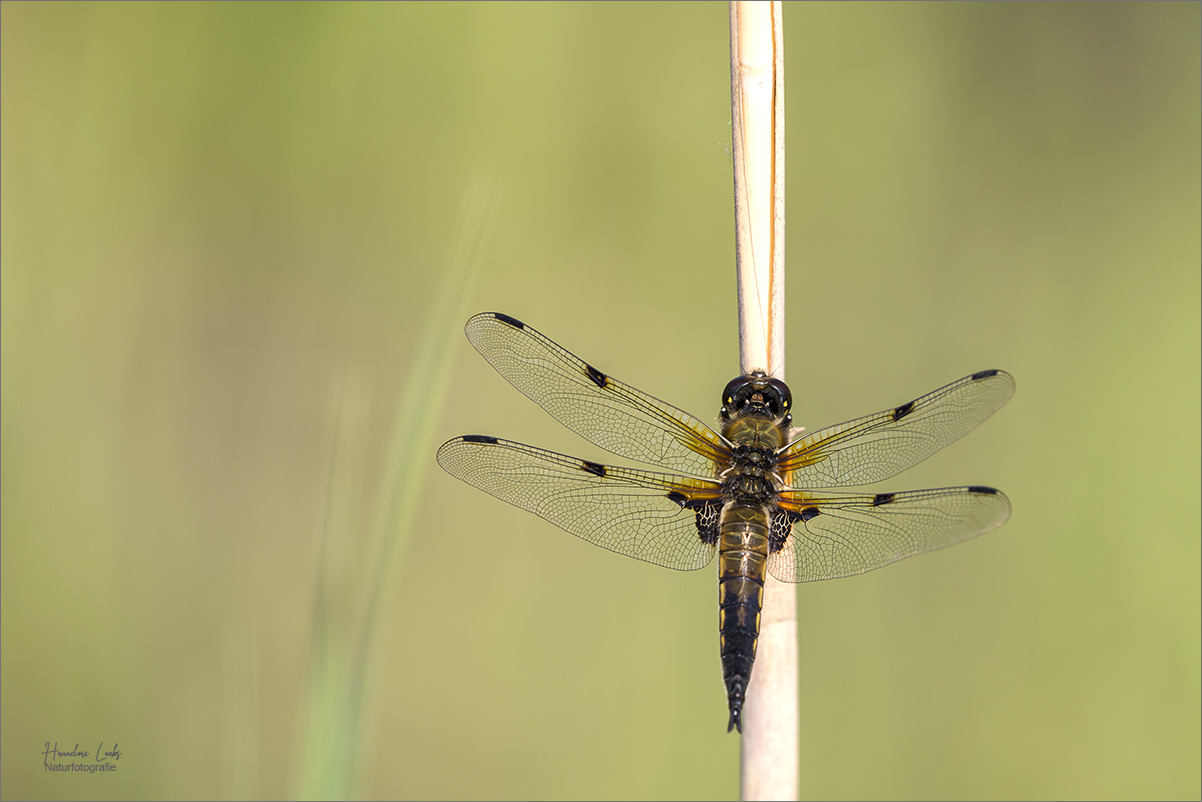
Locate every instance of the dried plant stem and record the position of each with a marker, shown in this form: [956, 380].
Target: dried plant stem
[769, 745]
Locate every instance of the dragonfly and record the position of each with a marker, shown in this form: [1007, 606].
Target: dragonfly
[754, 491]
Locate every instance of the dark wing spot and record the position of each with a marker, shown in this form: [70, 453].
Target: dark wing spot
[903, 411]
[882, 498]
[595, 468]
[598, 378]
[690, 503]
[676, 497]
[984, 374]
[479, 438]
[984, 491]
[512, 321]
[808, 513]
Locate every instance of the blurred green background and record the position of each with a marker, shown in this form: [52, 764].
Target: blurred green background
[229, 250]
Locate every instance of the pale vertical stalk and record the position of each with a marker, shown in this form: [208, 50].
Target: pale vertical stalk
[770, 721]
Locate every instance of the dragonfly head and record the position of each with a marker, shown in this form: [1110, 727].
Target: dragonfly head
[758, 395]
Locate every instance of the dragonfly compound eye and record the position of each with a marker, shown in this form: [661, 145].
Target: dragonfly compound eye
[784, 394]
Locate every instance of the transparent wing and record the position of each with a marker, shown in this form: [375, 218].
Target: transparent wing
[649, 516]
[876, 447]
[841, 534]
[601, 409]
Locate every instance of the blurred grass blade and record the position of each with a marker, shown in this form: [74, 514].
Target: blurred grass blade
[344, 659]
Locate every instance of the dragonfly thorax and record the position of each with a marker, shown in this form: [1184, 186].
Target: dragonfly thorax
[756, 439]
[750, 477]
[746, 487]
[753, 456]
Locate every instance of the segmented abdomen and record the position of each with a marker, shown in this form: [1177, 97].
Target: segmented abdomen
[742, 557]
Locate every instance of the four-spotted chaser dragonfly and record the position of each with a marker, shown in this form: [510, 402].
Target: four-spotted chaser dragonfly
[752, 492]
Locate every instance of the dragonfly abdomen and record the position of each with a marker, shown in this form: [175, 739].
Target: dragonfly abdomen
[742, 557]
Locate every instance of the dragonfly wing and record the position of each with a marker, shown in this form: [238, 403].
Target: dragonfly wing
[842, 534]
[609, 413]
[653, 517]
[876, 447]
